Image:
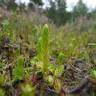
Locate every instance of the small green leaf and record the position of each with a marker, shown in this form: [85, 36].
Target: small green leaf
[59, 70]
[93, 74]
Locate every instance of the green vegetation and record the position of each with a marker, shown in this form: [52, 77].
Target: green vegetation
[18, 71]
[93, 74]
[2, 92]
[44, 48]
[50, 59]
[28, 90]
[48, 52]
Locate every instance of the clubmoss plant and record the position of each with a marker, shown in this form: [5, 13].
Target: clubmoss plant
[43, 48]
[18, 71]
[61, 58]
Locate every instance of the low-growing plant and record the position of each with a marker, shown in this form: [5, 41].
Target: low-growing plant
[28, 90]
[53, 80]
[2, 80]
[7, 29]
[93, 74]
[61, 58]
[2, 93]
[56, 70]
[18, 71]
[43, 48]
